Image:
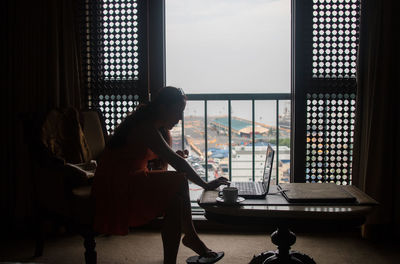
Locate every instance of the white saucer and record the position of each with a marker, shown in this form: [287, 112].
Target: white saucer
[238, 200]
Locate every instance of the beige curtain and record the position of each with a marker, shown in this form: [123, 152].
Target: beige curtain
[43, 72]
[377, 144]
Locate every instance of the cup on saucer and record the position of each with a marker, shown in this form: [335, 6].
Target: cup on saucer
[230, 195]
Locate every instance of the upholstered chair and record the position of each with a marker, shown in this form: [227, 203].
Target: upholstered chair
[65, 146]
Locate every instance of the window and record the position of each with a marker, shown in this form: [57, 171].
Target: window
[326, 40]
[123, 48]
[114, 56]
[218, 51]
[228, 46]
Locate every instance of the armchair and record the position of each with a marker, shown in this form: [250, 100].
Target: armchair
[64, 146]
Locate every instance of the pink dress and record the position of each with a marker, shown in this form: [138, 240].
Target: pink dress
[126, 194]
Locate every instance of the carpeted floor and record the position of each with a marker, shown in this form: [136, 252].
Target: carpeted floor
[144, 247]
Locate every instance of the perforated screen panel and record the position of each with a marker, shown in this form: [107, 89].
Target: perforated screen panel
[120, 39]
[116, 107]
[113, 46]
[335, 38]
[329, 88]
[330, 131]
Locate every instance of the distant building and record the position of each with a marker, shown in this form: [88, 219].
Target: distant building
[242, 163]
[240, 127]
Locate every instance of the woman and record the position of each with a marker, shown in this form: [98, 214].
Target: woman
[128, 194]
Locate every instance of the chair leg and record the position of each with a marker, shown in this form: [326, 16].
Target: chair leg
[90, 245]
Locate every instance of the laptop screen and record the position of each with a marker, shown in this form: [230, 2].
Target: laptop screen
[269, 161]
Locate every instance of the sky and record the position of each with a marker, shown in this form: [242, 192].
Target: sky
[229, 46]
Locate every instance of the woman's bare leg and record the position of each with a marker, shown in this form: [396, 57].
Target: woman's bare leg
[191, 238]
[171, 231]
[179, 217]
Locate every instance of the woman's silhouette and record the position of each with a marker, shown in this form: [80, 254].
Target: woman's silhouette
[128, 194]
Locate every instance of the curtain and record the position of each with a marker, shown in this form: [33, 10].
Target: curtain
[43, 72]
[376, 159]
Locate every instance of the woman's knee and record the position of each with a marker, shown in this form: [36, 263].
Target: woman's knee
[179, 177]
[182, 177]
[181, 181]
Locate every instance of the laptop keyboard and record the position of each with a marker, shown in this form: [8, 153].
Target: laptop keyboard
[248, 188]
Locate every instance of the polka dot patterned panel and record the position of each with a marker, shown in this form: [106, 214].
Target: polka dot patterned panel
[335, 38]
[115, 108]
[112, 33]
[329, 137]
[119, 27]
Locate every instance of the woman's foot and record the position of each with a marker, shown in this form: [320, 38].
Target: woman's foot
[195, 244]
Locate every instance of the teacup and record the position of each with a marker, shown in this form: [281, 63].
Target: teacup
[230, 194]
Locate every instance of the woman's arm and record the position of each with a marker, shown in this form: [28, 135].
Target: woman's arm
[161, 148]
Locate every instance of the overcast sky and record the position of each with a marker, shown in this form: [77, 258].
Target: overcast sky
[229, 46]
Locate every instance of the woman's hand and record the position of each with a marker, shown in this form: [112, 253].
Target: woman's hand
[184, 154]
[216, 183]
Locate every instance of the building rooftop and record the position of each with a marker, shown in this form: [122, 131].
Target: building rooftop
[237, 124]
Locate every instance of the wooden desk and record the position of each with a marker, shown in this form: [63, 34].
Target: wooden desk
[274, 209]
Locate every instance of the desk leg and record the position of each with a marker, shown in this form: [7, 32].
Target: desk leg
[284, 239]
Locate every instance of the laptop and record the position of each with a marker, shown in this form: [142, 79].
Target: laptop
[257, 190]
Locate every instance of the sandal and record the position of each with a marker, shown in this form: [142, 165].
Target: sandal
[205, 260]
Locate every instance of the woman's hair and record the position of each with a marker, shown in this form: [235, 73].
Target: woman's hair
[166, 96]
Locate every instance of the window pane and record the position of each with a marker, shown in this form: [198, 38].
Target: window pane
[242, 131]
[283, 154]
[228, 46]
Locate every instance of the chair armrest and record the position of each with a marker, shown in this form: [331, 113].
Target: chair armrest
[80, 174]
[89, 166]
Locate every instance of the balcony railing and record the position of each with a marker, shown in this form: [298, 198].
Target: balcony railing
[228, 100]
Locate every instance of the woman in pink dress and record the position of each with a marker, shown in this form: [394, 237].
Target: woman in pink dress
[127, 194]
